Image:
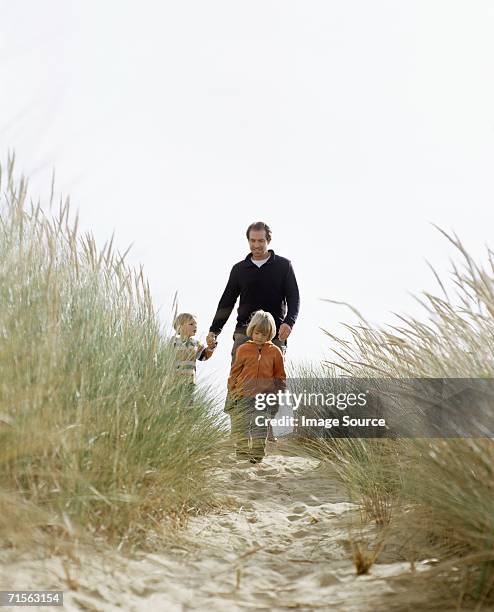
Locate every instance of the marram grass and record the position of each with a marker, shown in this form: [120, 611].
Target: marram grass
[97, 436]
[435, 497]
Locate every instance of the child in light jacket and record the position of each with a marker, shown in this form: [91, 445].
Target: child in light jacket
[188, 349]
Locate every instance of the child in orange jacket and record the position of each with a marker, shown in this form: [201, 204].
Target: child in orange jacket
[258, 369]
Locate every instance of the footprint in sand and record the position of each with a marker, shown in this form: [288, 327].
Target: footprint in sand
[268, 471]
[259, 484]
[314, 502]
[326, 580]
[237, 475]
[291, 471]
[275, 550]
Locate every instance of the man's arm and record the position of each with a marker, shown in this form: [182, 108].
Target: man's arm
[226, 303]
[292, 297]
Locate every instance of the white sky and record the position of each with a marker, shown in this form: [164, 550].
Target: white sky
[348, 126]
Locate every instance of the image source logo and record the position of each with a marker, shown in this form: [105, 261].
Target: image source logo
[382, 407]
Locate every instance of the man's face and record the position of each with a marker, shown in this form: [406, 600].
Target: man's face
[258, 244]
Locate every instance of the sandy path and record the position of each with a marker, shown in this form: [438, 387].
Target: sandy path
[286, 546]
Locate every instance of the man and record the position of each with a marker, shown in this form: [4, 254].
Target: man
[264, 281]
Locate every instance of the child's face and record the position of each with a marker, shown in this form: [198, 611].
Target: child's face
[190, 328]
[258, 337]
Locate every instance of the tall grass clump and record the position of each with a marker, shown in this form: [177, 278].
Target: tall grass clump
[444, 487]
[366, 466]
[97, 435]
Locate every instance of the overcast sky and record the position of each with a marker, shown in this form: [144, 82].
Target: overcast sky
[348, 126]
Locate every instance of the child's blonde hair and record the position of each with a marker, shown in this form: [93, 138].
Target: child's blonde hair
[182, 319]
[263, 322]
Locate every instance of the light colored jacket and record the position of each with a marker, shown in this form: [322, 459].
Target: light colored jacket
[187, 353]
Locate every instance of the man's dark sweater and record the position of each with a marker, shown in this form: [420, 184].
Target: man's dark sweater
[271, 287]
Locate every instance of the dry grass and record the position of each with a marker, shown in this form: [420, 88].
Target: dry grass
[438, 493]
[97, 436]
[364, 558]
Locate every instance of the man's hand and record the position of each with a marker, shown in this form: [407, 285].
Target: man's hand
[211, 340]
[285, 331]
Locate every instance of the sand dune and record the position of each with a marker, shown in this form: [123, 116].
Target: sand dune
[286, 545]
